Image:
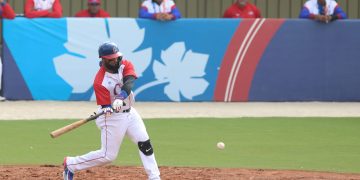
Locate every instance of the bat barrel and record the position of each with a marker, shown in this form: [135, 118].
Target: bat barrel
[72, 126]
[67, 128]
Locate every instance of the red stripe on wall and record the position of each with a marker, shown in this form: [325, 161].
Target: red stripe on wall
[252, 58]
[229, 58]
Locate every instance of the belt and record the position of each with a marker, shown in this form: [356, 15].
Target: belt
[126, 111]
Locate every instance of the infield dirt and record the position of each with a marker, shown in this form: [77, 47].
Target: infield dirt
[50, 172]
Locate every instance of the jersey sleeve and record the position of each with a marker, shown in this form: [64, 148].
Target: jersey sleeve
[257, 12]
[339, 12]
[80, 13]
[7, 11]
[56, 10]
[104, 14]
[129, 69]
[305, 13]
[102, 94]
[175, 12]
[144, 13]
[227, 13]
[31, 13]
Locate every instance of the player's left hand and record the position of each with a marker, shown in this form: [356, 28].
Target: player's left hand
[108, 110]
[119, 100]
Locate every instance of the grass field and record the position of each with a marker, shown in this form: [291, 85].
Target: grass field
[325, 144]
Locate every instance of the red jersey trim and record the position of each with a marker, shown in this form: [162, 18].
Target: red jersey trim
[102, 94]
[129, 69]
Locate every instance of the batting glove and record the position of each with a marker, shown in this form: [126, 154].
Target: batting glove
[107, 109]
[118, 104]
[119, 101]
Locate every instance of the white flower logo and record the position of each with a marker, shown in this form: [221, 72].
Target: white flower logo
[79, 65]
[182, 70]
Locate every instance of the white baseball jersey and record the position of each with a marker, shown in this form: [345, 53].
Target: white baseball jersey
[108, 85]
[43, 4]
[312, 6]
[152, 7]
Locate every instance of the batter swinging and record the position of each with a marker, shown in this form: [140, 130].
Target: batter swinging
[112, 85]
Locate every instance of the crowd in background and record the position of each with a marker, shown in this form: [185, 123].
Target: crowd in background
[166, 10]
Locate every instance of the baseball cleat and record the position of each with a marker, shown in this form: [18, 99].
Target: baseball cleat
[67, 174]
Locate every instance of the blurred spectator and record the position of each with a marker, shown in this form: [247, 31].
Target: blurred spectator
[6, 11]
[43, 8]
[242, 9]
[94, 10]
[322, 10]
[163, 10]
[1, 98]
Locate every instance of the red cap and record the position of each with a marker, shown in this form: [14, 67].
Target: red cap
[94, 1]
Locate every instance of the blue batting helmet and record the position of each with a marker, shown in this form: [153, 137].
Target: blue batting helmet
[109, 50]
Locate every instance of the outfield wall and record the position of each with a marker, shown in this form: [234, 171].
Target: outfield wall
[186, 60]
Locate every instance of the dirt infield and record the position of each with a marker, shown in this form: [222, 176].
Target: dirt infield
[49, 172]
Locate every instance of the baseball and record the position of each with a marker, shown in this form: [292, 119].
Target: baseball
[220, 145]
[117, 103]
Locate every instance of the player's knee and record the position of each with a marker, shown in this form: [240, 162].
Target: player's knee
[145, 147]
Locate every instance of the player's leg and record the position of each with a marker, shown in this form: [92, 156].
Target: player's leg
[113, 130]
[138, 134]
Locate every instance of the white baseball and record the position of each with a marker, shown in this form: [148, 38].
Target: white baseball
[117, 103]
[220, 145]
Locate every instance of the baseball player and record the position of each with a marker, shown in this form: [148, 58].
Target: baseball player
[163, 10]
[6, 11]
[112, 85]
[43, 8]
[322, 10]
[242, 9]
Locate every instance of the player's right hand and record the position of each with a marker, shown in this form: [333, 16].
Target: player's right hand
[108, 110]
[118, 104]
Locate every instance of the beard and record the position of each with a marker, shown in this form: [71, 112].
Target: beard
[113, 68]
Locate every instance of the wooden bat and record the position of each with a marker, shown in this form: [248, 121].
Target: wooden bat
[74, 125]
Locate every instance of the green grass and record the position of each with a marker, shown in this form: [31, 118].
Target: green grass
[325, 144]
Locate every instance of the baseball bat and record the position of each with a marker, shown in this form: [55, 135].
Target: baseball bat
[74, 125]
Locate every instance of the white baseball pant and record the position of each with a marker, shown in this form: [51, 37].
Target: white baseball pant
[113, 129]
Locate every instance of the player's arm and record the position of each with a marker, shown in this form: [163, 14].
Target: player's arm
[175, 12]
[128, 80]
[7, 11]
[144, 13]
[30, 12]
[305, 13]
[338, 14]
[257, 12]
[56, 10]
[104, 14]
[227, 13]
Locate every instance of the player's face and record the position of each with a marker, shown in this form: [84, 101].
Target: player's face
[94, 8]
[111, 64]
[322, 2]
[242, 2]
[158, 1]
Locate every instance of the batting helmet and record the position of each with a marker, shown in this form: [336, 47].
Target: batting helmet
[109, 50]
